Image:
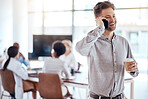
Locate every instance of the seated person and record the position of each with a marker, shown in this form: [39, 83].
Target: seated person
[19, 72]
[21, 56]
[55, 65]
[69, 57]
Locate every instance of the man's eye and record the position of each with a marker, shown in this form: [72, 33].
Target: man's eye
[107, 17]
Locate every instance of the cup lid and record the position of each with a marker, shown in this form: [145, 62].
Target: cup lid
[128, 60]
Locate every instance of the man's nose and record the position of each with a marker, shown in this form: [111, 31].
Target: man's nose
[112, 19]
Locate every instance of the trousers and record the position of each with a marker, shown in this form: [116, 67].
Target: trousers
[120, 96]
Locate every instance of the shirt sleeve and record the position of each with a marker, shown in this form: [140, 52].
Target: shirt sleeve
[66, 70]
[134, 74]
[73, 62]
[130, 55]
[84, 45]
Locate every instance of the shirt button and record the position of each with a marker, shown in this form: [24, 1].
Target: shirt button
[106, 39]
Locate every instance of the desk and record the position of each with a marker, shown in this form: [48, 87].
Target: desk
[81, 81]
[34, 72]
[130, 80]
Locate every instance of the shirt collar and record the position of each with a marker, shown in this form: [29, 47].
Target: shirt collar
[107, 39]
[114, 36]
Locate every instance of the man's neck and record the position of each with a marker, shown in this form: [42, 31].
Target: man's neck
[108, 34]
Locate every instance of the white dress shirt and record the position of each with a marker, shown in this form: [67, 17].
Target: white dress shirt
[20, 74]
[55, 65]
[70, 60]
[105, 61]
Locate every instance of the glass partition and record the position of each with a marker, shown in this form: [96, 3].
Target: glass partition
[59, 17]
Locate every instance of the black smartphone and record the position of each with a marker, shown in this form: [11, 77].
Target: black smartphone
[105, 24]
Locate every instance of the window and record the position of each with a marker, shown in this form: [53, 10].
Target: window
[76, 17]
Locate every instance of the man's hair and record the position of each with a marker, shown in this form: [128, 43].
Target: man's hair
[102, 5]
[16, 44]
[59, 48]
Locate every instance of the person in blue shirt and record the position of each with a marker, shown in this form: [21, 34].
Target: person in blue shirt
[21, 56]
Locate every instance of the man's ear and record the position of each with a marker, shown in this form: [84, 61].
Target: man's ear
[54, 54]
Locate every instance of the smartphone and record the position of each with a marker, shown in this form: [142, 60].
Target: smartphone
[105, 24]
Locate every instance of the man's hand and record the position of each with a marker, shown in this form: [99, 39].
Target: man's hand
[133, 66]
[99, 21]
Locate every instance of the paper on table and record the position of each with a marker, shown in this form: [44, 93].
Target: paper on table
[70, 78]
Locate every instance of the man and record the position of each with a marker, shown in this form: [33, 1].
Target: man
[106, 52]
[21, 56]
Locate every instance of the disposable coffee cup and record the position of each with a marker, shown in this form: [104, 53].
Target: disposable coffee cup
[127, 62]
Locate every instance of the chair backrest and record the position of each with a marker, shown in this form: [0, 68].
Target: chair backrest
[50, 86]
[8, 81]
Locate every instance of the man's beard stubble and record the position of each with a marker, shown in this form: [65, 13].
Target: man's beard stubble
[111, 29]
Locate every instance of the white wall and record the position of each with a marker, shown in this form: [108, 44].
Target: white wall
[6, 29]
[20, 25]
[14, 24]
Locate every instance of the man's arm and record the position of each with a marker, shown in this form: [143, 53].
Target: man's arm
[133, 67]
[22, 55]
[84, 45]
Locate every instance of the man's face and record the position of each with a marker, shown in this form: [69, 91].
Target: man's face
[109, 15]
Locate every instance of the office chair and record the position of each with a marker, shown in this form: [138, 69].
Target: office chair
[50, 87]
[8, 83]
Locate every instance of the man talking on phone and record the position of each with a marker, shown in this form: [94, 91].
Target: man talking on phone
[106, 52]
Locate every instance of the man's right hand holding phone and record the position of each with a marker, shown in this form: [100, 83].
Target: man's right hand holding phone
[100, 21]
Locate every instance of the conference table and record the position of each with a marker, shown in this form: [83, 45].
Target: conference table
[79, 80]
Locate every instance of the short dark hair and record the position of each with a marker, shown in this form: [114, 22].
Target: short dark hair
[59, 48]
[102, 5]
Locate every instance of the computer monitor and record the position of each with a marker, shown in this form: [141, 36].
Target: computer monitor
[42, 44]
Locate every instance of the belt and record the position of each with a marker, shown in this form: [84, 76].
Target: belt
[103, 97]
